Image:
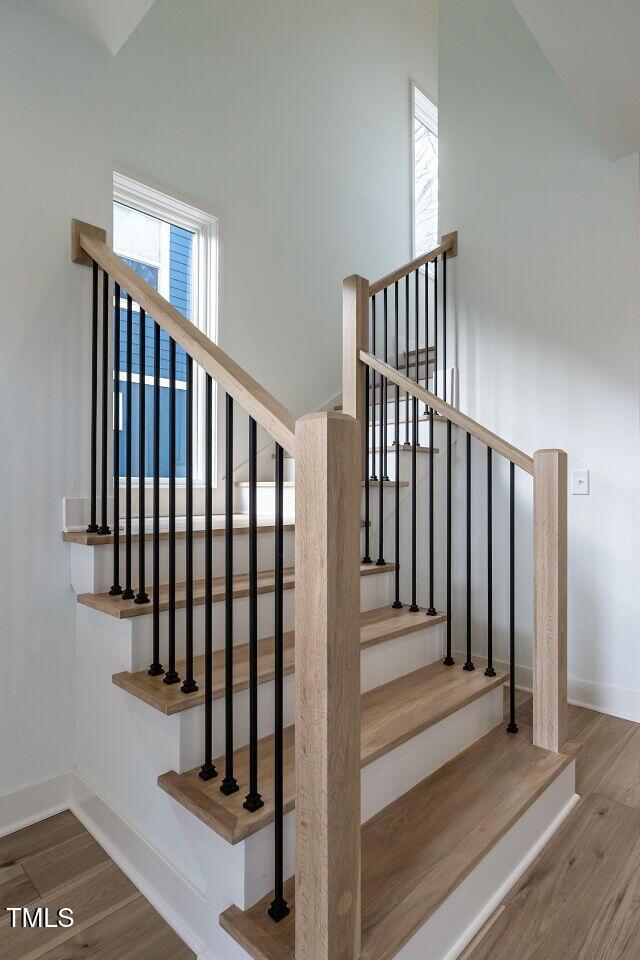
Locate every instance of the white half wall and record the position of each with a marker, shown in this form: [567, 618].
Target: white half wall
[55, 164]
[546, 322]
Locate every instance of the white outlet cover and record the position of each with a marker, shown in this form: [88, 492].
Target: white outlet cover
[579, 483]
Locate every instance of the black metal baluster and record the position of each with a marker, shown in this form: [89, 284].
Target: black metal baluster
[384, 390]
[371, 399]
[426, 332]
[103, 529]
[448, 660]
[414, 510]
[189, 685]
[279, 908]
[435, 327]
[512, 726]
[417, 323]
[142, 596]
[489, 672]
[93, 525]
[370, 426]
[127, 593]
[229, 784]
[432, 610]
[116, 589]
[444, 325]
[253, 800]
[156, 669]
[469, 665]
[208, 770]
[382, 456]
[172, 676]
[406, 358]
[396, 602]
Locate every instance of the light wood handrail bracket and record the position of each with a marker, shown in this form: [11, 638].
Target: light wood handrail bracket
[88, 244]
[476, 430]
[448, 244]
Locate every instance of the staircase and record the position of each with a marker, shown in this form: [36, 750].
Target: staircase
[276, 729]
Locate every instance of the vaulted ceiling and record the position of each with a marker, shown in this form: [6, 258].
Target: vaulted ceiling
[594, 47]
[107, 22]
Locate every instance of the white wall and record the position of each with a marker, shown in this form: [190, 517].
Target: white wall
[55, 163]
[290, 120]
[548, 339]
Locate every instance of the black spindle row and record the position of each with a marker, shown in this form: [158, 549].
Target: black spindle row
[183, 595]
[425, 303]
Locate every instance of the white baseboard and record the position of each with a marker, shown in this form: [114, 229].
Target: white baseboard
[34, 801]
[154, 876]
[601, 697]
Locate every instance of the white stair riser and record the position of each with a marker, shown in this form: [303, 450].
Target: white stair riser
[92, 567]
[142, 627]
[380, 664]
[375, 591]
[383, 781]
[265, 501]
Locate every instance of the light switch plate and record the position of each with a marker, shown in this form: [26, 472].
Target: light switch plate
[579, 482]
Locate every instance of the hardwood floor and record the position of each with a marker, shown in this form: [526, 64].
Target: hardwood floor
[56, 863]
[579, 899]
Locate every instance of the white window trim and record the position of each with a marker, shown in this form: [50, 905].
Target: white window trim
[424, 108]
[141, 196]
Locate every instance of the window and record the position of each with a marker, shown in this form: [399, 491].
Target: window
[173, 247]
[425, 173]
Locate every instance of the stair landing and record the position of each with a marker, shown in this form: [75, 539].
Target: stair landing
[419, 849]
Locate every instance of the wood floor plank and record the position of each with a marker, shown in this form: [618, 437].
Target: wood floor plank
[602, 741]
[549, 912]
[621, 782]
[16, 889]
[38, 837]
[614, 933]
[92, 898]
[376, 626]
[390, 715]
[64, 863]
[133, 932]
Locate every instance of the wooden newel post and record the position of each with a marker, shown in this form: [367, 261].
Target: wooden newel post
[550, 598]
[355, 337]
[327, 900]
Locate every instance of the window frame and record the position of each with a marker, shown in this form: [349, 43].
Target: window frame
[135, 193]
[424, 109]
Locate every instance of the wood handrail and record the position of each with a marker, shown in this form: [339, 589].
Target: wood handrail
[476, 430]
[448, 244]
[272, 415]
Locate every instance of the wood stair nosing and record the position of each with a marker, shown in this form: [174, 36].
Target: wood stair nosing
[123, 609]
[391, 714]
[420, 848]
[240, 527]
[376, 626]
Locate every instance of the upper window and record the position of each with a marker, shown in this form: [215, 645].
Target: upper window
[425, 173]
[173, 247]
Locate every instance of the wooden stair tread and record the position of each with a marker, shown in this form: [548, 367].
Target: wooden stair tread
[408, 447]
[391, 714]
[240, 526]
[122, 609]
[419, 849]
[376, 626]
[291, 483]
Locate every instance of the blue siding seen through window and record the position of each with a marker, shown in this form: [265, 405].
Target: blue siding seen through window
[180, 296]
